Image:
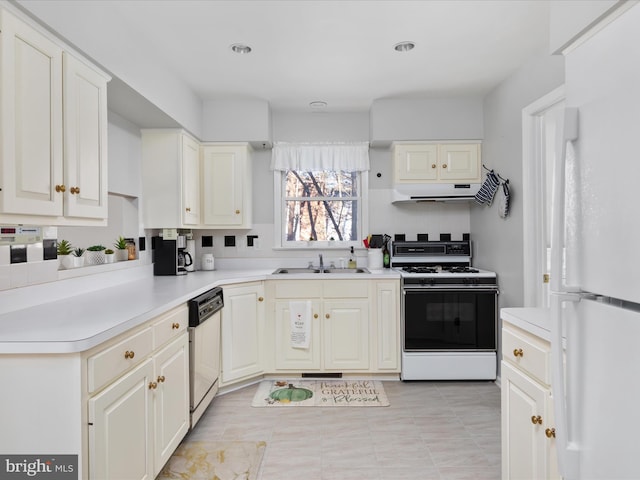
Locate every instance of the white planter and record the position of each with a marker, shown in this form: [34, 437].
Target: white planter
[94, 258]
[122, 255]
[77, 261]
[109, 257]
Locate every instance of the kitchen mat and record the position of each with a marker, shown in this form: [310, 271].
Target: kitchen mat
[214, 460]
[320, 393]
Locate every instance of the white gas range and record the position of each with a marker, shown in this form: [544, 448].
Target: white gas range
[449, 312]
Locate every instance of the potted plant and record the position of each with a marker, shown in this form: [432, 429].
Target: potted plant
[121, 249]
[64, 254]
[95, 254]
[109, 256]
[78, 259]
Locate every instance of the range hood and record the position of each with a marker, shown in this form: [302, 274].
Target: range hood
[434, 192]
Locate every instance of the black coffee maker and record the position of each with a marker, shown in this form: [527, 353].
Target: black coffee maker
[169, 256]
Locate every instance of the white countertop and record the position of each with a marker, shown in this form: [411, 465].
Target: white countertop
[536, 321]
[76, 323]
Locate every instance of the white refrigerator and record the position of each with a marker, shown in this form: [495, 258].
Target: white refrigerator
[595, 273]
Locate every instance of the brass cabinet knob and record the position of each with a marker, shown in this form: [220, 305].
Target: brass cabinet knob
[315, 315]
[444, 165]
[175, 326]
[74, 190]
[60, 188]
[260, 299]
[517, 352]
[153, 385]
[326, 315]
[550, 432]
[129, 354]
[536, 419]
[188, 209]
[237, 212]
[433, 165]
[160, 378]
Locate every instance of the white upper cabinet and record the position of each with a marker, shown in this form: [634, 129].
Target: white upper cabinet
[226, 180]
[170, 179]
[428, 162]
[53, 126]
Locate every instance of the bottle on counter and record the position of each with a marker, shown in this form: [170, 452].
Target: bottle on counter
[386, 257]
[352, 259]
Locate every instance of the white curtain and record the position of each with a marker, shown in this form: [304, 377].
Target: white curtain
[351, 156]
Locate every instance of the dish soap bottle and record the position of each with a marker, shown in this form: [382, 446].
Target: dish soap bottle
[352, 260]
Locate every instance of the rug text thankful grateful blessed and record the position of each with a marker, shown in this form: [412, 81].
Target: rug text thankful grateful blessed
[349, 392]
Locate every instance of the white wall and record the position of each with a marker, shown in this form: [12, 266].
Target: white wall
[498, 241]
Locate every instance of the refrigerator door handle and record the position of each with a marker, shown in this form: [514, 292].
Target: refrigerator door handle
[568, 452]
[568, 134]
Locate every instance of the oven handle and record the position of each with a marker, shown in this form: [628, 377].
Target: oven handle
[445, 288]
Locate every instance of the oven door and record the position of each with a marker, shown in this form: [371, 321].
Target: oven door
[449, 319]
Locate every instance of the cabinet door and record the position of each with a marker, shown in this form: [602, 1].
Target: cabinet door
[288, 357]
[171, 399]
[226, 184]
[388, 321]
[524, 444]
[415, 163]
[345, 326]
[85, 140]
[190, 181]
[31, 109]
[459, 162]
[242, 326]
[121, 428]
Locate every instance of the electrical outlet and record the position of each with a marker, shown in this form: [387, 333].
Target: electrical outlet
[229, 240]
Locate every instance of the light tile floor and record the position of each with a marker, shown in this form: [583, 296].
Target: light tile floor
[431, 430]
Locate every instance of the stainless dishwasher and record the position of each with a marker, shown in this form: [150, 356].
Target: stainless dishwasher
[204, 350]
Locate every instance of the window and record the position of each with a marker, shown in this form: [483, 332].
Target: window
[323, 205]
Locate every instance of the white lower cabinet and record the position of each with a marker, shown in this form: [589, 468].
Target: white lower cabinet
[242, 332]
[528, 441]
[139, 419]
[354, 326]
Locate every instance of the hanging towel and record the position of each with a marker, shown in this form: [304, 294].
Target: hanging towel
[505, 201]
[300, 314]
[488, 189]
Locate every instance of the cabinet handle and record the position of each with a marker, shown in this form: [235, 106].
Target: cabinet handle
[433, 165]
[326, 315]
[188, 209]
[315, 315]
[175, 326]
[536, 419]
[260, 299]
[444, 165]
[160, 378]
[129, 354]
[60, 188]
[550, 432]
[237, 212]
[74, 190]
[517, 352]
[153, 385]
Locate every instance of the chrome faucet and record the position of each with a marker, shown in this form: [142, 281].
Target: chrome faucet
[321, 263]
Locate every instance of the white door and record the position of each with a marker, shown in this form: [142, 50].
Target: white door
[416, 163]
[31, 109]
[459, 162]
[121, 428]
[222, 180]
[85, 140]
[346, 334]
[287, 357]
[190, 181]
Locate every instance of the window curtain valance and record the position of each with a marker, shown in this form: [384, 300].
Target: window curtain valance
[351, 156]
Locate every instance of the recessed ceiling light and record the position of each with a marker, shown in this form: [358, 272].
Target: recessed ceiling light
[240, 48]
[318, 104]
[404, 46]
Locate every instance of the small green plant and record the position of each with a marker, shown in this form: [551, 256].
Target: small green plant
[78, 252]
[108, 251]
[64, 247]
[96, 248]
[121, 243]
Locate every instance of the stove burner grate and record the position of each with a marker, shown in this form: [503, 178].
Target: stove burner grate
[448, 269]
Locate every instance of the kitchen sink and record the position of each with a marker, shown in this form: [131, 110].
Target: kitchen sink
[300, 270]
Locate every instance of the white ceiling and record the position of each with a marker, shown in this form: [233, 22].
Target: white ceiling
[338, 51]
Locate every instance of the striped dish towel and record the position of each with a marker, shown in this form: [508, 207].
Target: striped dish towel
[488, 189]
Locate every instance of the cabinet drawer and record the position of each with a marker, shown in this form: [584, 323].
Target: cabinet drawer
[528, 352]
[113, 361]
[301, 289]
[346, 289]
[170, 325]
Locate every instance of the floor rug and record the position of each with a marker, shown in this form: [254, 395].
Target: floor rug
[320, 393]
[214, 461]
